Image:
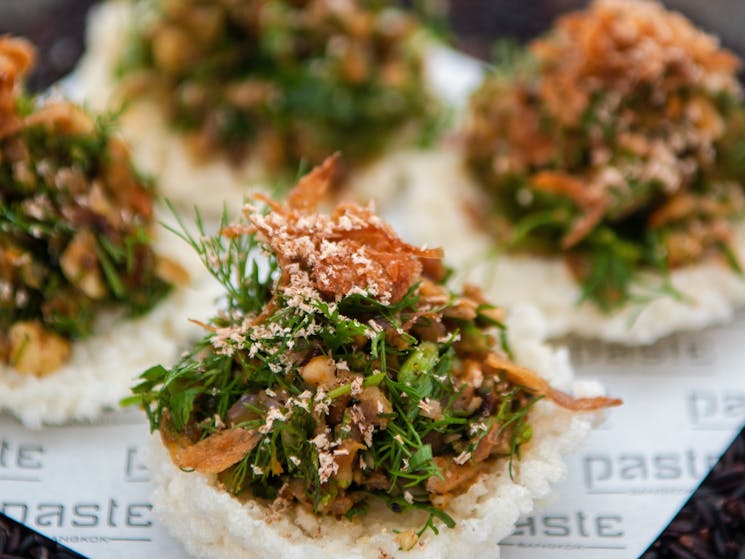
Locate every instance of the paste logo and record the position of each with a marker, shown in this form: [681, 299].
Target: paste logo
[630, 472]
[20, 461]
[716, 410]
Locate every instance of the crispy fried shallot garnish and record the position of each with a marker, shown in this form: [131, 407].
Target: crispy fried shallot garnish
[592, 201]
[211, 455]
[310, 189]
[540, 386]
[618, 44]
[350, 251]
[16, 57]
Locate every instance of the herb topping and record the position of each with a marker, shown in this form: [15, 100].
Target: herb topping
[282, 81]
[74, 223]
[617, 140]
[342, 370]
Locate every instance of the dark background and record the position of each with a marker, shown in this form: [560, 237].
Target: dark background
[56, 26]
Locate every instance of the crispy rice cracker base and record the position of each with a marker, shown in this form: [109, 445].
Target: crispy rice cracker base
[213, 524]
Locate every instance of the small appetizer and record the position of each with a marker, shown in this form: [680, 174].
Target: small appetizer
[76, 257]
[218, 95]
[345, 403]
[609, 166]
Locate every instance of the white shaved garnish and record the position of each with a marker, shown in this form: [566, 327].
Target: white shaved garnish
[274, 414]
[357, 386]
[366, 429]
[462, 458]
[430, 408]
